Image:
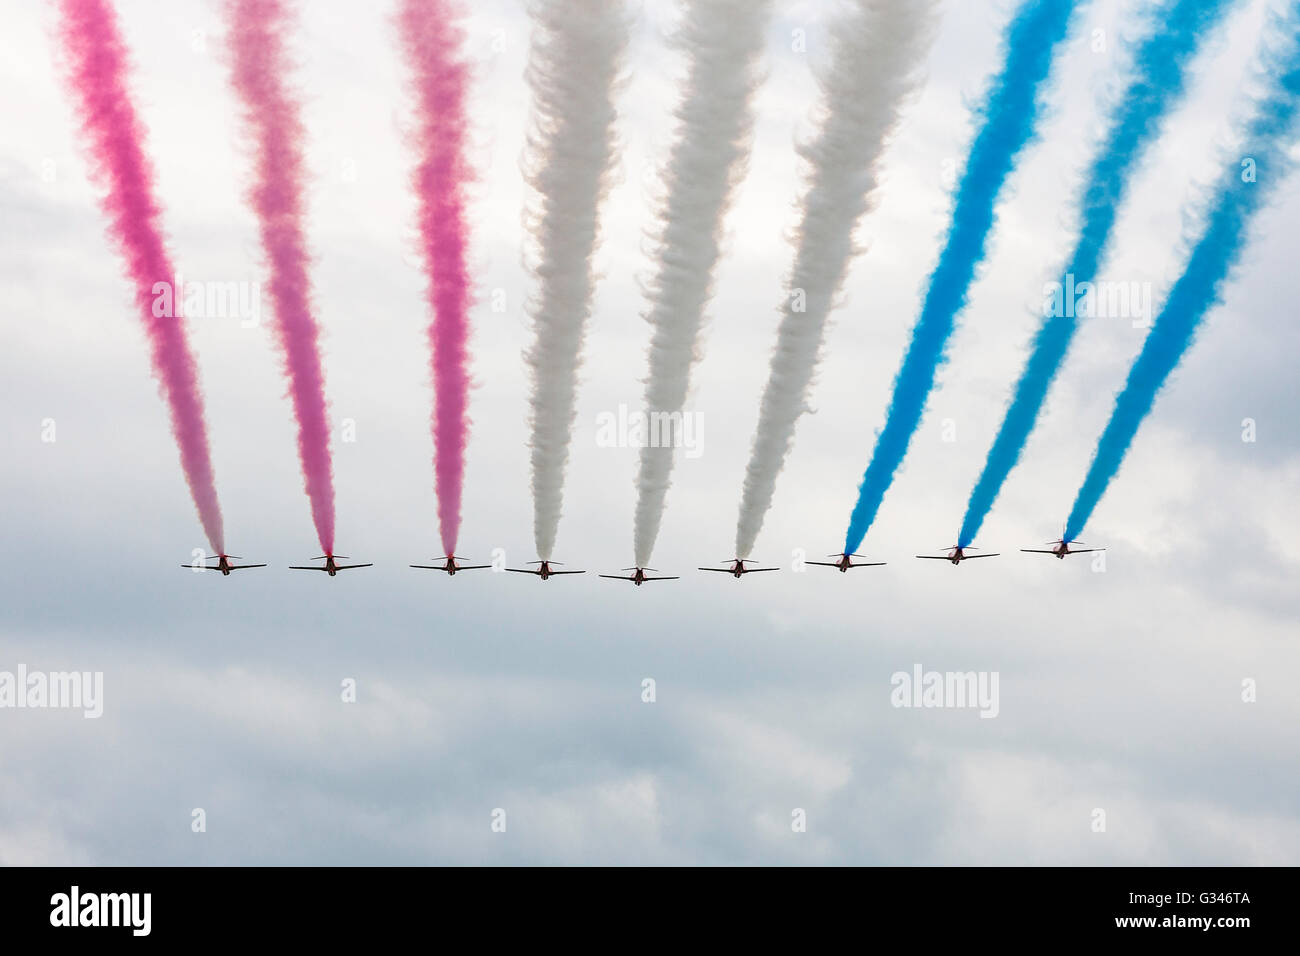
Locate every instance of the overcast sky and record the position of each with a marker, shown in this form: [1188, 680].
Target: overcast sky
[1120, 689]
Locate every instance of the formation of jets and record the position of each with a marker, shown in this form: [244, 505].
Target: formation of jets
[736, 567]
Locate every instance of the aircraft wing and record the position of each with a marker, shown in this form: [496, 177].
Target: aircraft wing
[345, 567]
[619, 577]
[1040, 551]
[240, 567]
[568, 572]
[967, 557]
[304, 567]
[828, 564]
[527, 571]
[1085, 550]
[470, 567]
[935, 557]
[751, 570]
[670, 577]
[869, 564]
[723, 570]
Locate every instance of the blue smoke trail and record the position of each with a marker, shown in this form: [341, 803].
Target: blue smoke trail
[1158, 82]
[1010, 111]
[1267, 134]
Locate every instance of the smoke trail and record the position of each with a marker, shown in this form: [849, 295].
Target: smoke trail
[1010, 112]
[874, 66]
[574, 62]
[723, 40]
[1160, 72]
[258, 30]
[432, 38]
[97, 74]
[1268, 135]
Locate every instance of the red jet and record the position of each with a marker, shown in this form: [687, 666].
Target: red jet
[845, 562]
[1062, 549]
[955, 555]
[223, 564]
[638, 577]
[544, 569]
[330, 567]
[738, 568]
[450, 565]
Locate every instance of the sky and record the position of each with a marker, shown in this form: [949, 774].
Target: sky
[1121, 685]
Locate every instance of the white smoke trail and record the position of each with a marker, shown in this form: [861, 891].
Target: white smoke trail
[574, 63]
[874, 65]
[723, 40]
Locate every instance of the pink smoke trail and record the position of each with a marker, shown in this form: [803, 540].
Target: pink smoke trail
[432, 39]
[257, 30]
[97, 74]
